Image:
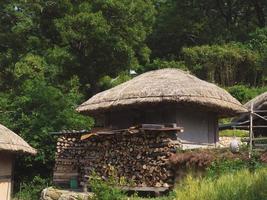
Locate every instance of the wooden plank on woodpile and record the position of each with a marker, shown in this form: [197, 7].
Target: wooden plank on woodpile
[145, 189]
[66, 160]
[152, 126]
[86, 136]
[61, 179]
[180, 129]
[66, 174]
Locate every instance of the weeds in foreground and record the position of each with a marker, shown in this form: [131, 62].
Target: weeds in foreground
[106, 189]
[243, 185]
[32, 190]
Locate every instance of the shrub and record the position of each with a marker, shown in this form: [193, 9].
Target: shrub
[232, 163]
[245, 93]
[106, 189]
[192, 159]
[32, 190]
[241, 185]
[220, 167]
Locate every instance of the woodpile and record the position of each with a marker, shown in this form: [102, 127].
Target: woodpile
[142, 157]
[68, 153]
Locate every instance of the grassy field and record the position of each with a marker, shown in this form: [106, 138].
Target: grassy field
[231, 133]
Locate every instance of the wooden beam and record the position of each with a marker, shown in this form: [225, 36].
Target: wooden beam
[250, 129]
[257, 126]
[146, 189]
[254, 139]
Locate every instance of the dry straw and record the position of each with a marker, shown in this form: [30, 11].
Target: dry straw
[9, 141]
[164, 86]
[259, 102]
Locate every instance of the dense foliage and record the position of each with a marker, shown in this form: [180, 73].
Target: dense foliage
[55, 54]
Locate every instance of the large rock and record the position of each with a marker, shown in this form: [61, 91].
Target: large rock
[57, 194]
[224, 142]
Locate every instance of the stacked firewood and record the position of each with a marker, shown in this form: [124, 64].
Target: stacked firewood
[142, 158]
[69, 150]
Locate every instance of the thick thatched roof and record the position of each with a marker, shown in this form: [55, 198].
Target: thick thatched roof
[164, 85]
[259, 103]
[10, 141]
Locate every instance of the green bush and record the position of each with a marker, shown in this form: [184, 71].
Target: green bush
[225, 64]
[106, 189]
[220, 167]
[32, 190]
[226, 166]
[245, 93]
[241, 185]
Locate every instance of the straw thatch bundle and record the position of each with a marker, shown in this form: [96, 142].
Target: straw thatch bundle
[164, 86]
[9, 141]
[259, 102]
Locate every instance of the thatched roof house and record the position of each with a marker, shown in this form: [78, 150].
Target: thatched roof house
[10, 143]
[260, 105]
[165, 96]
[259, 102]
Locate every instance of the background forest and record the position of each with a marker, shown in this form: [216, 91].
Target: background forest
[56, 54]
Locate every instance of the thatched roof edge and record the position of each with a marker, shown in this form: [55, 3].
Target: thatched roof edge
[10, 141]
[164, 85]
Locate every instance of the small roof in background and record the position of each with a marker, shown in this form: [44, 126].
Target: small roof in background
[259, 103]
[164, 85]
[10, 141]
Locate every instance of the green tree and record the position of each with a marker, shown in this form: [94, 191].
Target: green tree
[226, 65]
[106, 37]
[52, 51]
[244, 93]
[39, 107]
[189, 23]
[258, 43]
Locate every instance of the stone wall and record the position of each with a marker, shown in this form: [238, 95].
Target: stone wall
[57, 194]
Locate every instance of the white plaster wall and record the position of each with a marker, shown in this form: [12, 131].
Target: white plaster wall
[5, 176]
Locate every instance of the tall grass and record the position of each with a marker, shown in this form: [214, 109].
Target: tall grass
[240, 185]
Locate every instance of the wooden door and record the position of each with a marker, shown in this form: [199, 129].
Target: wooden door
[5, 176]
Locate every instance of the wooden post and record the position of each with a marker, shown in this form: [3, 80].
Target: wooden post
[250, 129]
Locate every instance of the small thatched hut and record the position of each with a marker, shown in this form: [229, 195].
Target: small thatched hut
[165, 96]
[10, 144]
[260, 107]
